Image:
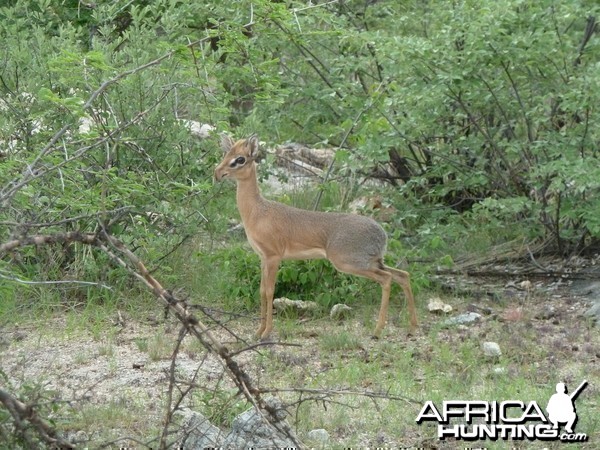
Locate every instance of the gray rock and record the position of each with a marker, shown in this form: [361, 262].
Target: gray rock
[199, 433]
[283, 303]
[491, 349]
[339, 311]
[547, 312]
[586, 288]
[252, 429]
[319, 435]
[594, 313]
[461, 319]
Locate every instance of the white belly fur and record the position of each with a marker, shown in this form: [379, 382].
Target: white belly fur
[306, 253]
[294, 251]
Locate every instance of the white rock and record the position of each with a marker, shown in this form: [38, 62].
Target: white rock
[339, 311]
[436, 305]
[285, 303]
[197, 129]
[461, 319]
[491, 349]
[318, 435]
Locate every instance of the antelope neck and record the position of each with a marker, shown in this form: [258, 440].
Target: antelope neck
[248, 193]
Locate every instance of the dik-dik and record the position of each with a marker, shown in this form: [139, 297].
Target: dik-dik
[353, 243]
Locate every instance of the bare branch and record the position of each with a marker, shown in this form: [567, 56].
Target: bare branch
[112, 247]
[115, 212]
[323, 394]
[22, 413]
[76, 282]
[170, 410]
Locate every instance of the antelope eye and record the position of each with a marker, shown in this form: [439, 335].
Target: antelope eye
[240, 160]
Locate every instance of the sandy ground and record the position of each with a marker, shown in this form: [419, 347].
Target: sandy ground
[81, 369]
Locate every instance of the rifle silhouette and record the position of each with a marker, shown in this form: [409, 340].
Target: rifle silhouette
[577, 391]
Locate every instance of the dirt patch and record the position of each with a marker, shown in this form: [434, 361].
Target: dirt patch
[538, 322]
[94, 368]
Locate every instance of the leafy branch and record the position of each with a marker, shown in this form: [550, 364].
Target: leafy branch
[31, 172]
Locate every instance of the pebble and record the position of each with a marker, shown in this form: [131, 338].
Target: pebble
[339, 311]
[491, 349]
[469, 317]
[547, 312]
[436, 305]
[319, 435]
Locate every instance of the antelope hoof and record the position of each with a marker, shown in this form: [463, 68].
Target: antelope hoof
[265, 336]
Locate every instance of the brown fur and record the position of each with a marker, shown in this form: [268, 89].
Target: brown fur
[354, 244]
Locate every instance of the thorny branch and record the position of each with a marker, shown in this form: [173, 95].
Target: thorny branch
[72, 282]
[109, 245]
[324, 394]
[31, 172]
[125, 258]
[22, 413]
[171, 410]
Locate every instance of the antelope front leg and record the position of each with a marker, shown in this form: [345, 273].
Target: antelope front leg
[269, 268]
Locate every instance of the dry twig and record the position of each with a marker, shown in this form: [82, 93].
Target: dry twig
[22, 414]
[129, 261]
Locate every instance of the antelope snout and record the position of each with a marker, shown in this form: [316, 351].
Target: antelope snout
[220, 174]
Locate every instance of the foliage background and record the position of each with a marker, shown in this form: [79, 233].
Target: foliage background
[488, 112]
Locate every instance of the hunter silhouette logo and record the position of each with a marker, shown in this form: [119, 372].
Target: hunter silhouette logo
[510, 419]
[561, 408]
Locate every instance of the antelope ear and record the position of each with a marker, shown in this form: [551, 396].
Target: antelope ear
[252, 144]
[226, 142]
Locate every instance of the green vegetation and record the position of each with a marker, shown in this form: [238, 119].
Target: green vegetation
[473, 116]
[486, 112]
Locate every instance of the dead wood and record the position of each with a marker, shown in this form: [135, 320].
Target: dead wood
[125, 258]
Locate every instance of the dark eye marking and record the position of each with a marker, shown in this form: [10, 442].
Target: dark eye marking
[239, 161]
